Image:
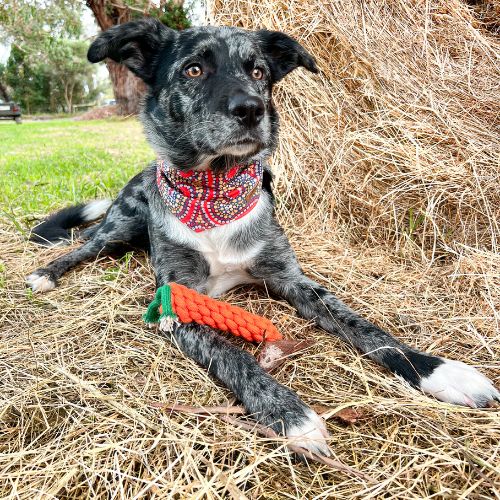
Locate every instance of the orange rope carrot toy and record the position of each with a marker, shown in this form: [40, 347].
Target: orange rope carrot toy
[174, 302]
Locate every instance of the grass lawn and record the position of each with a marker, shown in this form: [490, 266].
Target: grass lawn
[50, 164]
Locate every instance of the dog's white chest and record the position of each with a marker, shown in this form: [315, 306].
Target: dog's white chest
[228, 263]
[228, 267]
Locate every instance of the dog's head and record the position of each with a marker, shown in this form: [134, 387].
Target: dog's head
[209, 101]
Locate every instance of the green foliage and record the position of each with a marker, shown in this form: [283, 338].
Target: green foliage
[29, 22]
[172, 15]
[415, 220]
[47, 70]
[70, 70]
[56, 81]
[29, 82]
[3, 89]
[169, 12]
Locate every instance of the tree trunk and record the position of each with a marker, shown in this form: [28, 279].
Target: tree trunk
[53, 103]
[127, 88]
[70, 96]
[3, 92]
[66, 97]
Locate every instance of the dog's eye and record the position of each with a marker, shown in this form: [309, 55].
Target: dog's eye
[257, 74]
[193, 71]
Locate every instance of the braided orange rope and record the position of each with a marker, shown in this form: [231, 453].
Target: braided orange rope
[174, 301]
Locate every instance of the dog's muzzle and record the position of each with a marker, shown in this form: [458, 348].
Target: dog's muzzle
[247, 109]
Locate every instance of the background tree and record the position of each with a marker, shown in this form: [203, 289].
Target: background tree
[56, 82]
[30, 24]
[37, 28]
[47, 68]
[127, 88]
[70, 70]
[28, 80]
[4, 93]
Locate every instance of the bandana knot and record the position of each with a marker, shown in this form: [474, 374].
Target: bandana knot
[204, 200]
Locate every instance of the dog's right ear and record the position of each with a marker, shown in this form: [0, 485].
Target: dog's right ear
[135, 44]
[284, 54]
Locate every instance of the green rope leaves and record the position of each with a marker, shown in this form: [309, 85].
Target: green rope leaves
[163, 298]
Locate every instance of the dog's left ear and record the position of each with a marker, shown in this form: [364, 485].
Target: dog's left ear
[136, 44]
[284, 54]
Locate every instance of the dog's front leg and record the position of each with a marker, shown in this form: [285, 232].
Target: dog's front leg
[267, 401]
[448, 380]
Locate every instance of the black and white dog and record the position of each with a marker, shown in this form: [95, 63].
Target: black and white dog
[210, 118]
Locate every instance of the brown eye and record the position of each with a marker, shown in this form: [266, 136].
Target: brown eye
[257, 74]
[193, 71]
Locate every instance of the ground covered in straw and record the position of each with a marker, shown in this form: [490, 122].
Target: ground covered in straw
[387, 184]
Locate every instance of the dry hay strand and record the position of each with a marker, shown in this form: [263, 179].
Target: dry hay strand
[84, 382]
[387, 184]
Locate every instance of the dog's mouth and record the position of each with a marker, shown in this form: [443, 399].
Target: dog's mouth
[236, 152]
[242, 147]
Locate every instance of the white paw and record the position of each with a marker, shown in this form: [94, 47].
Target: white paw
[311, 434]
[461, 384]
[40, 282]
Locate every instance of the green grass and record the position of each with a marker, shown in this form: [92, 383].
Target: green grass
[48, 165]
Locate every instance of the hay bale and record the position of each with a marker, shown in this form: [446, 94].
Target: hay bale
[400, 131]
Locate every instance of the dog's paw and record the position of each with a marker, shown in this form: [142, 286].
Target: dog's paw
[40, 282]
[460, 384]
[309, 433]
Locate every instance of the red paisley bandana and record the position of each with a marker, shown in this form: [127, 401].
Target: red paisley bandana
[204, 200]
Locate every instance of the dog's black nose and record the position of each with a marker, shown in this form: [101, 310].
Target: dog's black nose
[248, 109]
